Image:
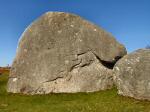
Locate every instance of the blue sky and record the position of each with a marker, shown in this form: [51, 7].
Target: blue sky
[127, 20]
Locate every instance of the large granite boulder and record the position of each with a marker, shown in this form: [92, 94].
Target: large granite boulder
[132, 75]
[62, 52]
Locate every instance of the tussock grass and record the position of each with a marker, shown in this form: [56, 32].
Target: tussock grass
[103, 101]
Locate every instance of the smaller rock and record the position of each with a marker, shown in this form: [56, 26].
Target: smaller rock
[132, 75]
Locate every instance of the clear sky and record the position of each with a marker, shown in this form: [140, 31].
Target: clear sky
[127, 20]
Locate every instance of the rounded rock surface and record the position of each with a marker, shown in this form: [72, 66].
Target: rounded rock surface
[132, 75]
[61, 52]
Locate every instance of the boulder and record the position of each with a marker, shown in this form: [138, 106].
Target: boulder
[132, 75]
[61, 52]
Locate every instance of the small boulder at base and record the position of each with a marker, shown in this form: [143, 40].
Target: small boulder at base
[61, 52]
[132, 75]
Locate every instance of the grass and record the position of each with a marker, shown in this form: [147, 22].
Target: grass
[103, 101]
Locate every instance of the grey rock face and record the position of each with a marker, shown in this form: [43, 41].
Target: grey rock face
[132, 75]
[62, 52]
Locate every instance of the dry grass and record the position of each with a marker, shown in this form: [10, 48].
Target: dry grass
[4, 70]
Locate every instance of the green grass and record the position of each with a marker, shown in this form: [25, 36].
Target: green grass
[103, 101]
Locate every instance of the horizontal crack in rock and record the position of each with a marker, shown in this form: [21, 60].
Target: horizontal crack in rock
[76, 65]
[106, 64]
[53, 79]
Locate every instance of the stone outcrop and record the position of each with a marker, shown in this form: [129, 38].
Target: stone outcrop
[132, 75]
[61, 52]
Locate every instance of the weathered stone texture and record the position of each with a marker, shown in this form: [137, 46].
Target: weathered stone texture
[61, 52]
[132, 75]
